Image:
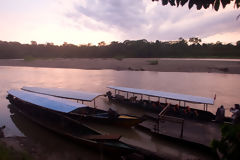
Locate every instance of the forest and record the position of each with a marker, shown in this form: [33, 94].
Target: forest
[181, 48]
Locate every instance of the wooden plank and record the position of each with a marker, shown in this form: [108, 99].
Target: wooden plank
[103, 137]
[196, 132]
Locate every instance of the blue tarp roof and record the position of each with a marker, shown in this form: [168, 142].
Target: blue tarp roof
[63, 93]
[168, 95]
[52, 103]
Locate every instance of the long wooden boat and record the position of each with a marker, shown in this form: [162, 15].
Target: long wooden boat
[86, 113]
[48, 113]
[176, 110]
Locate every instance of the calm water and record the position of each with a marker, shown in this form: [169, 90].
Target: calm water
[225, 86]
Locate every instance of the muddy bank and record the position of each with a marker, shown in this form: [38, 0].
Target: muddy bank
[19, 148]
[136, 64]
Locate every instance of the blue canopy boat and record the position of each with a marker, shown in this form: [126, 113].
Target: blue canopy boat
[130, 96]
[86, 113]
[51, 113]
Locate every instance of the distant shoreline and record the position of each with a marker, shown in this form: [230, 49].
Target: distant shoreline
[231, 66]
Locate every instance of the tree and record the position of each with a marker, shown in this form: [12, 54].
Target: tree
[33, 43]
[182, 42]
[102, 43]
[229, 145]
[201, 3]
[50, 44]
[219, 43]
[195, 40]
[238, 43]
[65, 43]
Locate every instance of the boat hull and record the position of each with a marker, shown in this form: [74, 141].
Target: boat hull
[195, 114]
[68, 128]
[127, 121]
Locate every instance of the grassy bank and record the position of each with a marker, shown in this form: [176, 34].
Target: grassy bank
[8, 153]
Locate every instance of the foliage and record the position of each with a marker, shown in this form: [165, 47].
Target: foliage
[229, 145]
[119, 50]
[10, 154]
[238, 43]
[153, 62]
[29, 58]
[119, 57]
[195, 40]
[201, 3]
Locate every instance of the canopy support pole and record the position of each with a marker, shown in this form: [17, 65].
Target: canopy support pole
[159, 99]
[148, 98]
[141, 97]
[206, 107]
[179, 103]
[184, 104]
[94, 103]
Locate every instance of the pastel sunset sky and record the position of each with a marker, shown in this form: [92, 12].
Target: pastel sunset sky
[92, 21]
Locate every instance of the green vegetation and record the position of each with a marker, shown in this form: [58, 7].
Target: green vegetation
[11, 154]
[229, 145]
[200, 4]
[119, 57]
[29, 58]
[153, 62]
[119, 50]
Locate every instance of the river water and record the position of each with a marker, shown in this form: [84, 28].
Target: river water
[225, 86]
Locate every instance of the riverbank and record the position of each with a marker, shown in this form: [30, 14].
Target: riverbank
[136, 64]
[14, 148]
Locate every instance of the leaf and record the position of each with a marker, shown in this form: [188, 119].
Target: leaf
[225, 2]
[199, 5]
[178, 1]
[164, 2]
[237, 3]
[216, 5]
[183, 2]
[205, 5]
[172, 2]
[190, 4]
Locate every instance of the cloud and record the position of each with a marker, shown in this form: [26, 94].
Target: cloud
[122, 14]
[137, 19]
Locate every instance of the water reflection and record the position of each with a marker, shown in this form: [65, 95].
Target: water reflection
[52, 145]
[226, 87]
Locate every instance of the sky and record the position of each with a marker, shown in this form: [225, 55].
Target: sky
[93, 21]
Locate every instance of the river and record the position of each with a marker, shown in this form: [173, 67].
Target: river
[225, 86]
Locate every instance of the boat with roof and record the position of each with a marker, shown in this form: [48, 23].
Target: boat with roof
[50, 112]
[84, 112]
[183, 123]
[135, 97]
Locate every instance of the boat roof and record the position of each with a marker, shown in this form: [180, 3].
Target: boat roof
[168, 95]
[48, 102]
[63, 93]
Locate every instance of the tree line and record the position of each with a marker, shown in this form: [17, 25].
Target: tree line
[201, 3]
[193, 48]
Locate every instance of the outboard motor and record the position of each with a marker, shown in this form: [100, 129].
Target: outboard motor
[109, 95]
[1, 131]
[10, 98]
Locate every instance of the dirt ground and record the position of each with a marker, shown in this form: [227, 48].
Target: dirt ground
[136, 64]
